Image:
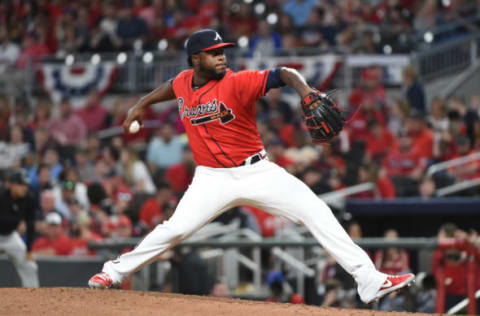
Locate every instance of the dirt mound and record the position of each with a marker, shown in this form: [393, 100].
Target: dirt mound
[80, 301]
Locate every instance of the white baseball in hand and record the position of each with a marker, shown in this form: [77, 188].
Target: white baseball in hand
[134, 127]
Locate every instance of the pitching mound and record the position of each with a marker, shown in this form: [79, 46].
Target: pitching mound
[79, 301]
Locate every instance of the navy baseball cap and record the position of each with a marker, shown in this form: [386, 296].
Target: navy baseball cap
[205, 40]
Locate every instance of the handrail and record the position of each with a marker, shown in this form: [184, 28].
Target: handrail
[461, 305]
[452, 163]
[293, 262]
[337, 198]
[380, 243]
[465, 76]
[458, 187]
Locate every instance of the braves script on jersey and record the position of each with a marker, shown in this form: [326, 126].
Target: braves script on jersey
[219, 117]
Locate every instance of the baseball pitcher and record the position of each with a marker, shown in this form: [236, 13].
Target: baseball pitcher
[217, 107]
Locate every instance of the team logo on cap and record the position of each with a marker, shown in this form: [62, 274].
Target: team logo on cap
[217, 37]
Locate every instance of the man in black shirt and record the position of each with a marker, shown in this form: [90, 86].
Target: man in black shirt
[18, 204]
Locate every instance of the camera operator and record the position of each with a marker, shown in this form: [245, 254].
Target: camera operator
[18, 204]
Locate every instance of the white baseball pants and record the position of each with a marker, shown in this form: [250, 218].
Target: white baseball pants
[15, 249]
[264, 185]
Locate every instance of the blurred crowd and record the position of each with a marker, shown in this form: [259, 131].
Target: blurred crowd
[36, 28]
[90, 186]
[122, 185]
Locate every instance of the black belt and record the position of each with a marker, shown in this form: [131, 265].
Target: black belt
[254, 159]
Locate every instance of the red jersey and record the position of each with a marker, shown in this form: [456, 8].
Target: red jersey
[62, 245]
[400, 163]
[219, 117]
[151, 213]
[455, 274]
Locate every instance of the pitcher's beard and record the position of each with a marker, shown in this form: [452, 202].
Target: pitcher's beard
[211, 73]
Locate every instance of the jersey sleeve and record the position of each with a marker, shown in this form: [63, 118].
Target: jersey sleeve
[250, 85]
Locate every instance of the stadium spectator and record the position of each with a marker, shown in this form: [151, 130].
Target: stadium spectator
[93, 114]
[180, 176]
[104, 32]
[333, 294]
[242, 21]
[380, 142]
[120, 226]
[275, 103]
[44, 179]
[467, 171]
[313, 178]
[80, 189]
[62, 204]
[135, 172]
[299, 10]
[110, 156]
[398, 115]
[81, 235]
[33, 51]
[427, 296]
[453, 261]
[42, 113]
[427, 188]
[311, 33]
[55, 241]
[15, 150]
[367, 44]
[130, 29]
[84, 165]
[368, 101]
[276, 153]
[285, 24]
[151, 212]
[422, 136]
[68, 129]
[392, 260]
[21, 116]
[372, 173]
[265, 42]
[335, 288]
[47, 203]
[46, 206]
[405, 166]
[9, 52]
[100, 208]
[284, 130]
[438, 119]
[413, 90]
[164, 149]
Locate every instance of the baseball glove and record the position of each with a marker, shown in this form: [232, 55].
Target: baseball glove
[322, 116]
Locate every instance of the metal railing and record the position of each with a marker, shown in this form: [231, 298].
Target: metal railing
[337, 198]
[447, 58]
[414, 243]
[457, 187]
[452, 163]
[461, 305]
[227, 249]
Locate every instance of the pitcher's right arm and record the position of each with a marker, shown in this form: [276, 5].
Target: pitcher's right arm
[163, 93]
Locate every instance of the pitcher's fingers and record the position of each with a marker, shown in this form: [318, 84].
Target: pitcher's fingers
[126, 124]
